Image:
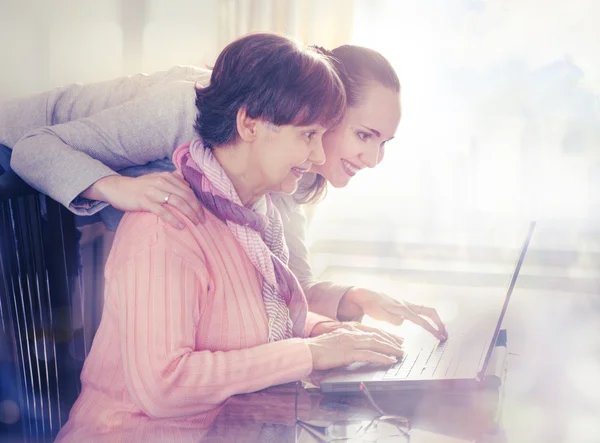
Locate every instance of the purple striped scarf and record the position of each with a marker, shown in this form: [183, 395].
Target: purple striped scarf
[261, 237]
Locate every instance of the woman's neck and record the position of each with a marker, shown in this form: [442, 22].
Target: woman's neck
[237, 164]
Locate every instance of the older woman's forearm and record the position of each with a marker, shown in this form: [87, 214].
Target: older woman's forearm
[196, 382]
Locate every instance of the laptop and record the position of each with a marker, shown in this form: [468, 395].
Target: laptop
[458, 363]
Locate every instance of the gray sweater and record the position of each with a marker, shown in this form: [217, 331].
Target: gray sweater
[66, 139]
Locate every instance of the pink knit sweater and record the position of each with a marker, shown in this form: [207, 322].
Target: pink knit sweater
[183, 328]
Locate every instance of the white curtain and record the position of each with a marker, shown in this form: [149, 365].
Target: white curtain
[326, 23]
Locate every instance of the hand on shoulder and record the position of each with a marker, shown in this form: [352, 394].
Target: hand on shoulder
[153, 193]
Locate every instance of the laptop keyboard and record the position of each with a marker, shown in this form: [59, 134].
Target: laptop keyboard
[425, 360]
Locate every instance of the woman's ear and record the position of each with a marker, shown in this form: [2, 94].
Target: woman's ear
[246, 126]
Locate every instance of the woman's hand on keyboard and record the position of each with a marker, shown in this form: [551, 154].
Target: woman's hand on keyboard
[326, 327]
[359, 301]
[346, 346]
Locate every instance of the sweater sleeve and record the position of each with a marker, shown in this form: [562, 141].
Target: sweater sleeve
[158, 295]
[22, 115]
[323, 296]
[313, 320]
[65, 159]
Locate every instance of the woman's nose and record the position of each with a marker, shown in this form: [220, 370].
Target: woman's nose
[317, 156]
[370, 158]
[381, 154]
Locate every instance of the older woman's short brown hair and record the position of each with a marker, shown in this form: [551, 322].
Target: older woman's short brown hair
[275, 80]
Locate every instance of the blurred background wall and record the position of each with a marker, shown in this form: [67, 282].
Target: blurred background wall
[47, 44]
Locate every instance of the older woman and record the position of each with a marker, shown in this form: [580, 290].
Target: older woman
[93, 130]
[194, 316]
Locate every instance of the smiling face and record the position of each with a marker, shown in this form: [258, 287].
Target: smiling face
[358, 142]
[282, 154]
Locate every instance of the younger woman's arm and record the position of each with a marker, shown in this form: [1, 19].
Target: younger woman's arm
[65, 160]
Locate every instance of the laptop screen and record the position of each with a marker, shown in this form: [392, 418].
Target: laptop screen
[511, 286]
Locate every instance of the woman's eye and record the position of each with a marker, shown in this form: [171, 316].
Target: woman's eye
[310, 134]
[364, 136]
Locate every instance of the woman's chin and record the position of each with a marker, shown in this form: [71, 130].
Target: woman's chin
[287, 187]
[338, 181]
